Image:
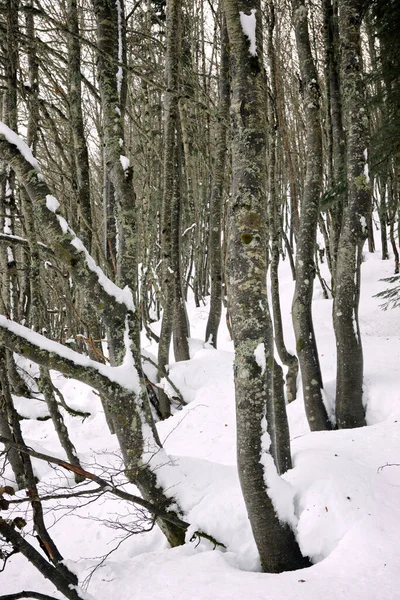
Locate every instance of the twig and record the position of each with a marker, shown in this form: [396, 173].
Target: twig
[380, 469]
[108, 486]
[27, 594]
[171, 383]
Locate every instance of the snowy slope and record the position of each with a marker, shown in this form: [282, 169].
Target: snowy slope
[347, 501]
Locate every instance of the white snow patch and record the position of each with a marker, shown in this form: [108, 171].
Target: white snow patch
[124, 375]
[279, 491]
[366, 168]
[14, 139]
[248, 23]
[52, 203]
[364, 225]
[124, 160]
[189, 229]
[259, 355]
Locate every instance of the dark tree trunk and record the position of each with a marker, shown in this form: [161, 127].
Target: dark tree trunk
[215, 248]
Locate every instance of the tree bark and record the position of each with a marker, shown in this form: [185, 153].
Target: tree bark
[306, 344]
[288, 359]
[247, 293]
[215, 249]
[349, 406]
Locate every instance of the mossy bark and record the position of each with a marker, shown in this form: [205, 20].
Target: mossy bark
[174, 321]
[247, 293]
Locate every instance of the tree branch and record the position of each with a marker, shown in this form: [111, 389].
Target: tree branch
[106, 486]
[19, 543]
[27, 594]
[53, 355]
[111, 302]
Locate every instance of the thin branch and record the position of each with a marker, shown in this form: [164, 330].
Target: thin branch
[171, 383]
[78, 494]
[27, 594]
[106, 486]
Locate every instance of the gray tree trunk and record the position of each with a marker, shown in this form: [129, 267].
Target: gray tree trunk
[306, 344]
[216, 203]
[171, 287]
[247, 293]
[288, 359]
[131, 412]
[336, 145]
[349, 406]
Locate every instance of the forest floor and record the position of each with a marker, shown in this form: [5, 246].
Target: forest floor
[344, 487]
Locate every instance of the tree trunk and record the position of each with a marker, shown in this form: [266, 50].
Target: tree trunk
[170, 228]
[215, 248]
[306, 344]
[247, 293]
[288, 359]
[349, 405]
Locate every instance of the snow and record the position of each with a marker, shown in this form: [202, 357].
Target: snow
[343, 505]
[248, 23]
[364, 225]
[124, 160]
[15, 140]
[189, 229]
[280, 491]
[52, 203]
[366, 168]
[13, 238]
[259, 355]
[125, 374]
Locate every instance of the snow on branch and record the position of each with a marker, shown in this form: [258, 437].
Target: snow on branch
[13, 239]
[17, 153]
[23, 148]
[123, 296]
[54, 355]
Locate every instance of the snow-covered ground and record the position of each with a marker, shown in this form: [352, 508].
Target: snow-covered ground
[345, 485]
